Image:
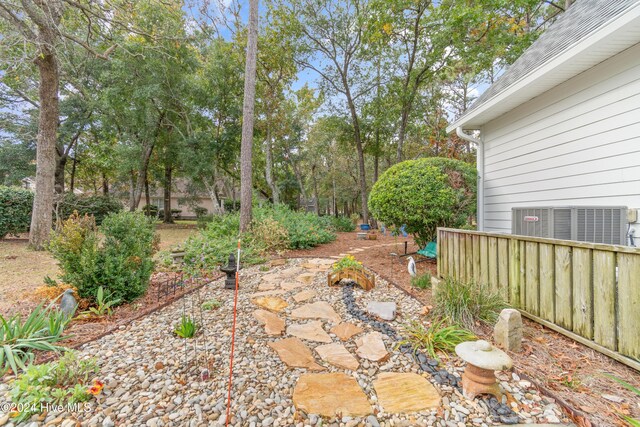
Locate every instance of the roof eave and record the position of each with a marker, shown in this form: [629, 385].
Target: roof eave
[527, 88]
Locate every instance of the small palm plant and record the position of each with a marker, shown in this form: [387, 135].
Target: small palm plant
[187, 327]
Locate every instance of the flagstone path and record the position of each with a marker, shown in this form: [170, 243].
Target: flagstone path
[281, 377]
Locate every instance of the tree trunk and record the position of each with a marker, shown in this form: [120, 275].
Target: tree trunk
[59, 174]
[168, 217]
[360, 151]
[147, 194]
[271, 182]
[42, 214]
[132, 189]
[246, 170]
[105, 184]
[72, 180]
[215, 200]
[147, 149]
[316, 207]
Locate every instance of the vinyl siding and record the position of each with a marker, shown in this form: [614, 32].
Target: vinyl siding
[577, 144]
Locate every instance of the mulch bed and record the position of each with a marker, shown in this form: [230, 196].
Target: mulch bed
[562, 368]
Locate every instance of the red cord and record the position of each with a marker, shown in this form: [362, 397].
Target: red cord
[233, 337]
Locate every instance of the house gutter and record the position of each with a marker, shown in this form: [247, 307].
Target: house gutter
[480, 167]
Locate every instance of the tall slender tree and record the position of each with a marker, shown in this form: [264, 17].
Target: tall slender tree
[246, 147]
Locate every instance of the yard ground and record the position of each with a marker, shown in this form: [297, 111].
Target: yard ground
[569, 371]
[23, 270]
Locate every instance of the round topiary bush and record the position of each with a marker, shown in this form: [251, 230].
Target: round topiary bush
[15, 210]
[424, 194]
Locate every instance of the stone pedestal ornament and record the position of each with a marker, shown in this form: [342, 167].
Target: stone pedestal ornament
[482, 360]
[508, 331]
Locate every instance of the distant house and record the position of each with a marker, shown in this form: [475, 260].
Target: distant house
[180, 199]
[558, 134]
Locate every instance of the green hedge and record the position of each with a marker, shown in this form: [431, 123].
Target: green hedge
[425, 194]
[15, 210]
[99, 206]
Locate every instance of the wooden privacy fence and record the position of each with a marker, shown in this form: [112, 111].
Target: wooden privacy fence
[589, 292]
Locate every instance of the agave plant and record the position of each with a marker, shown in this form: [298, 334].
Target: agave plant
[38, 332]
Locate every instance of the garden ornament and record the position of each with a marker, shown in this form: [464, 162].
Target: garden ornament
[68, 303]
[482, 360]
[230, 270]
[412, 267]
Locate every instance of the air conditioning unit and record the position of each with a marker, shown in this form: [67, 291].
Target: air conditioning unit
[597, 224]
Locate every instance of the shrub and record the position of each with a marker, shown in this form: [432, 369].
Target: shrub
[422, 282]
[343, 224]
[15, 210]
[425, 194]
[211, 247]
[66, 381]
[175, 213]
[150, 210]
[466, 303]
[200, 211]
[268, 235]
[122, 263]
[39, 332]
[305, 230]
[434, 338]
[99, 206]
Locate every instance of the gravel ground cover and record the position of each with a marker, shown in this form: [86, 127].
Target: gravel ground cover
[154, 378]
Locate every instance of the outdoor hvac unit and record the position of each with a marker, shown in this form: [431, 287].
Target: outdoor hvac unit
[597, 224]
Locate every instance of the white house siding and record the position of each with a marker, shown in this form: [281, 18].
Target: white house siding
[577, 144]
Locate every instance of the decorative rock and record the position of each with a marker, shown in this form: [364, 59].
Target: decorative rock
[271, 303]
[294, 353]
[273, 292]
[483, 355]
[337, 355]
[371, 347]
[383, 310]
[405, 392]
[330, 395]
[346, 330]
[311, 331]
[306, 278]
[273, 325]
[277, 262]
[304, 295]
[316, 310]
[508, 331]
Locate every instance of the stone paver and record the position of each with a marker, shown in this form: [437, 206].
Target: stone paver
[336, 354]
[405, 392]
[346, 330]
[311, 331]
[273, 325]
[289, 286]
[371, 347]
[316, 310]
[330, 395]
[304, 295]
[294, 353]
[271, 303]
[306, 278]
